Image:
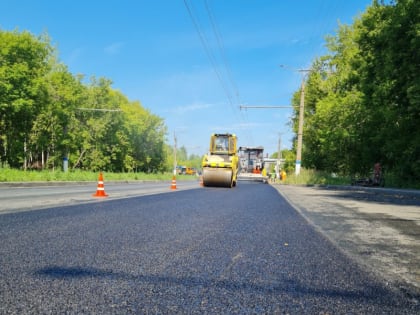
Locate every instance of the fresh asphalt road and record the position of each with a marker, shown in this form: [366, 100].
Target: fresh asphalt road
[199, 251]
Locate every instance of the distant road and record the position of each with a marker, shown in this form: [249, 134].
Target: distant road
[195, 251]
[26, 196]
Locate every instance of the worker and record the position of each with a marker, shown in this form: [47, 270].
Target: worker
[283, 175]
[221, 144]
[273, 177]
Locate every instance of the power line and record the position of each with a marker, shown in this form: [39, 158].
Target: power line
[208, 51]
[264, 106]
[222, 50]
[100, 109]
[219, 40]
[212, 59]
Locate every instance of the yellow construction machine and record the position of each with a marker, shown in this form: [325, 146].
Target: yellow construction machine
[220, 165]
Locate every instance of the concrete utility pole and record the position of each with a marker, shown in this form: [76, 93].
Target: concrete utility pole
[300, 126]
[300, 129]
[279, 157]
[175, 162]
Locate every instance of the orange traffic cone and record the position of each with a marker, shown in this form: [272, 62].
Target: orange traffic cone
[173, 185]
[100, 191]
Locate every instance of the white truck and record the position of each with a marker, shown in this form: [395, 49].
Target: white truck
[251, 164]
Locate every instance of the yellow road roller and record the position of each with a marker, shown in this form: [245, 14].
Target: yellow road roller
[220, 165]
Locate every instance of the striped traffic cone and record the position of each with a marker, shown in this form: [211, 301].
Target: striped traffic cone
[100, 191]
[173, 185]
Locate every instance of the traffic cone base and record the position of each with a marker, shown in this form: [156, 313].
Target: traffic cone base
[100, 190]
[173, 185]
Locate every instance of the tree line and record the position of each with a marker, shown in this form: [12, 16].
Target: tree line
[362, 98]
[48, 115]
[362, 105]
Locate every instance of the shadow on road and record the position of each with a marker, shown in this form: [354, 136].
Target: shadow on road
[282, 286]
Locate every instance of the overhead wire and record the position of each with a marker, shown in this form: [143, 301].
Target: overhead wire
[213, 60]
[220, 44]
[221, 48]
[210, 55]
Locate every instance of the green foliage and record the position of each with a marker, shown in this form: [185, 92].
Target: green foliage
[290, 160]
[47, 114]
[24, 61]
[184, 159]
[362, 100]
[14, 175]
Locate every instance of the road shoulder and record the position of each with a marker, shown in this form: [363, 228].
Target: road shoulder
[379, 228]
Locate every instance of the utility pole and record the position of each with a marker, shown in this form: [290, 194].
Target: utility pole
[300, 126]
[278, 158]
[300, 129]
[175, 162]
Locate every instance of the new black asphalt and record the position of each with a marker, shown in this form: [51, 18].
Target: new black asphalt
[203, 251]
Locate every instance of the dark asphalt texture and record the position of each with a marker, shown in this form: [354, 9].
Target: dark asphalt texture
[204, 251]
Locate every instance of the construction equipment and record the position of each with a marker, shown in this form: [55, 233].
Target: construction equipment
[185, 170]
[190, 171]
[251, 164]
[220, 165]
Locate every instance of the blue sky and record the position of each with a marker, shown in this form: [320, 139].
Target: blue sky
[193, 69]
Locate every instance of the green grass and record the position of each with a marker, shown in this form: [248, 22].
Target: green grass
[13, 175]
[312, 177]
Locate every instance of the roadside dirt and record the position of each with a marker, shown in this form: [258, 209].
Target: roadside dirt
[379, 228]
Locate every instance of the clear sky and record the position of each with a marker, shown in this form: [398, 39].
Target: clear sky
[193, 62]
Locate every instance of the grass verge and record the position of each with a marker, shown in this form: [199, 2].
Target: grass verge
[13, 175]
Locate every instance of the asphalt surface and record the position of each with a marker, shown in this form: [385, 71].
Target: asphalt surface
[202, 251]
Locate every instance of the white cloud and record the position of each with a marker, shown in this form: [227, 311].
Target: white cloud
[114, 48]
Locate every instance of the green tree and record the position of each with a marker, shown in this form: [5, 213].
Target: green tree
[362, 99]
[24, 62]
[390, 41]
[146, 134]
[48, 114]
[52, 137]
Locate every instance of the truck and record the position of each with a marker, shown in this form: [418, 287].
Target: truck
[251, 164]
